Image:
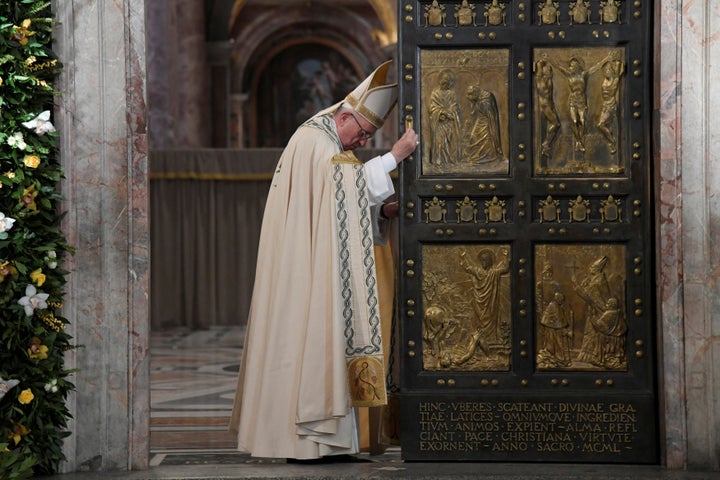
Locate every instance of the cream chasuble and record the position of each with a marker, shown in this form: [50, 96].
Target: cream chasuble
[314, 315]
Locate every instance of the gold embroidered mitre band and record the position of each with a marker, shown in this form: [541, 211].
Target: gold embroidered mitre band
[356, 281]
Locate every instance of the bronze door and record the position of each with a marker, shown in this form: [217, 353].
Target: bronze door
[526, 290]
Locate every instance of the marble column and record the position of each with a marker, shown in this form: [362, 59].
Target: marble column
[220, 101]
[179, 88]
[101, 117]
[688, 233]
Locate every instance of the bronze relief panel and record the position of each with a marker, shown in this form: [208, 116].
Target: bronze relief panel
[578, 97]
[580, 314]
[466, 307]
[464, 111]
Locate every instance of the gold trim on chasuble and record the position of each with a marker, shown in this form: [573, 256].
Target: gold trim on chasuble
[359, 299]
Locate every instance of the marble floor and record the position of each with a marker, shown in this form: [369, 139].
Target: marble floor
[193, 376]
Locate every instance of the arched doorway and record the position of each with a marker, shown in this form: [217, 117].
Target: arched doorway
[269, 71]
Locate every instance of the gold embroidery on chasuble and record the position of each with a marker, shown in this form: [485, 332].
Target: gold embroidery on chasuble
[358, 283]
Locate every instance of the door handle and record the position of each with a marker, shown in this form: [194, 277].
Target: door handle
[408, 122]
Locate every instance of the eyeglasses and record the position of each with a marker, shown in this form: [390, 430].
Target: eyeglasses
[364, 135]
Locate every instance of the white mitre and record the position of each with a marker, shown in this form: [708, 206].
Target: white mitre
[373, 99]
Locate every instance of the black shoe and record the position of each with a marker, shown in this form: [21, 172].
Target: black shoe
[306, 461]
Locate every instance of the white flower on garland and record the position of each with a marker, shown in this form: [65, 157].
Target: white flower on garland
[41, 124]
[6, 223]
[33, 300]
[51, 260]
[51, 386]
[16, 140]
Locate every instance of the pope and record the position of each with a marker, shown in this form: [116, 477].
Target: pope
[313, 346]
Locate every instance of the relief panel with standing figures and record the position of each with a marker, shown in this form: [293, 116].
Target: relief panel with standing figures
[466, 306]
[465, 112]
[580, 315]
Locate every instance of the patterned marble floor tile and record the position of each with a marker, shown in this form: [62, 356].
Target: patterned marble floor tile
[193, 376]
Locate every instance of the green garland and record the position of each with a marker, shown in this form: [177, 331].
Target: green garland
[34, 383]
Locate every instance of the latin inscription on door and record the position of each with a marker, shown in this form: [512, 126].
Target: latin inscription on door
[525, 429]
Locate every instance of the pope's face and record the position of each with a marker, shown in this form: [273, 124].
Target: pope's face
[354, 131]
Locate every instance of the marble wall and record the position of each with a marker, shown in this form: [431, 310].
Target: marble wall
[102, 119]
[687, 187]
